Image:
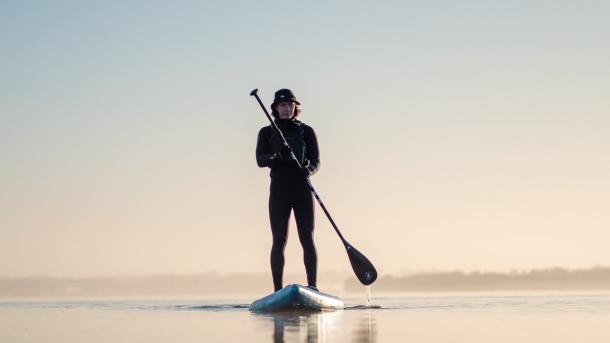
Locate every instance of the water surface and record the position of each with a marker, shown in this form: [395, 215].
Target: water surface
[391, 318]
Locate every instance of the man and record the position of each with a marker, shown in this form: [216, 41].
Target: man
[289, 190]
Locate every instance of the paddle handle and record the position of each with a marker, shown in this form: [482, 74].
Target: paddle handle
[315, 194]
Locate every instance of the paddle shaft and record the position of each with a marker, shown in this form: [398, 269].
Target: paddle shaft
[313, 191]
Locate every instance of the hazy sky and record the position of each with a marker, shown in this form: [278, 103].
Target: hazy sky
[470, 134]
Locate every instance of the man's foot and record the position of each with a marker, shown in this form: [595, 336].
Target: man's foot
[314, 288]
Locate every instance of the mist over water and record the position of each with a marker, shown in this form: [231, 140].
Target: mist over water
[215, 284]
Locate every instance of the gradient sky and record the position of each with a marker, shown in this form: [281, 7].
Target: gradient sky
[468, 135]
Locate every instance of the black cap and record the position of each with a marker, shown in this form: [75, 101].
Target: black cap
[282, 95]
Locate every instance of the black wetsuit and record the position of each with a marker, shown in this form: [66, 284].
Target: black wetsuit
[289, 191]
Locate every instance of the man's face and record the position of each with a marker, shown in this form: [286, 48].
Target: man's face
[285, 109]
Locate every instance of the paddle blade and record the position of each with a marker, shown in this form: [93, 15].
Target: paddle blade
[364, 269]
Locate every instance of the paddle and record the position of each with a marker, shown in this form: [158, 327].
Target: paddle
[363, 268]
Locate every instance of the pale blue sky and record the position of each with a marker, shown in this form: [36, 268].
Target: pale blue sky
[472, 134]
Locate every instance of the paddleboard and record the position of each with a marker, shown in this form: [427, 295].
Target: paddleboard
[296, 297]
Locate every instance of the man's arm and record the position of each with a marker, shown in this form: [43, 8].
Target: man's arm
[313, 153]
[264, 158]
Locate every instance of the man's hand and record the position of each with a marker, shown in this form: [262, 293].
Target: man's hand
[286, 153]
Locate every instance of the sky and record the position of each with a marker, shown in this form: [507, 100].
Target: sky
[470, 135]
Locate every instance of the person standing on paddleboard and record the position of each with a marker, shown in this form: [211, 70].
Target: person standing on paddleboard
[289, 190]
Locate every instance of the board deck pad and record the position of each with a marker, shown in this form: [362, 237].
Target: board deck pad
[297, 297]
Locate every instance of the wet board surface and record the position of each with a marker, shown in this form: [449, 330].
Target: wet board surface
[297, 297]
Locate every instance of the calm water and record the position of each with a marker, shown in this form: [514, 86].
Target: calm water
[454, 318]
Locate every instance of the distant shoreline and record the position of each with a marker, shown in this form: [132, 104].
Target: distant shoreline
[533, 280]
[558, 279]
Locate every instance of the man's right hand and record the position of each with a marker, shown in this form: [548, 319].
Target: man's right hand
[286, 153]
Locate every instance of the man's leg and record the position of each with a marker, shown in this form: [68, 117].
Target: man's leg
[279, 215]
[304, 216]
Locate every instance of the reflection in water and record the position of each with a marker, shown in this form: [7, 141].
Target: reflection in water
[366, 329]
[321, 326]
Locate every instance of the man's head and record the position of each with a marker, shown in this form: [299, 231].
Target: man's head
[285, 105]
